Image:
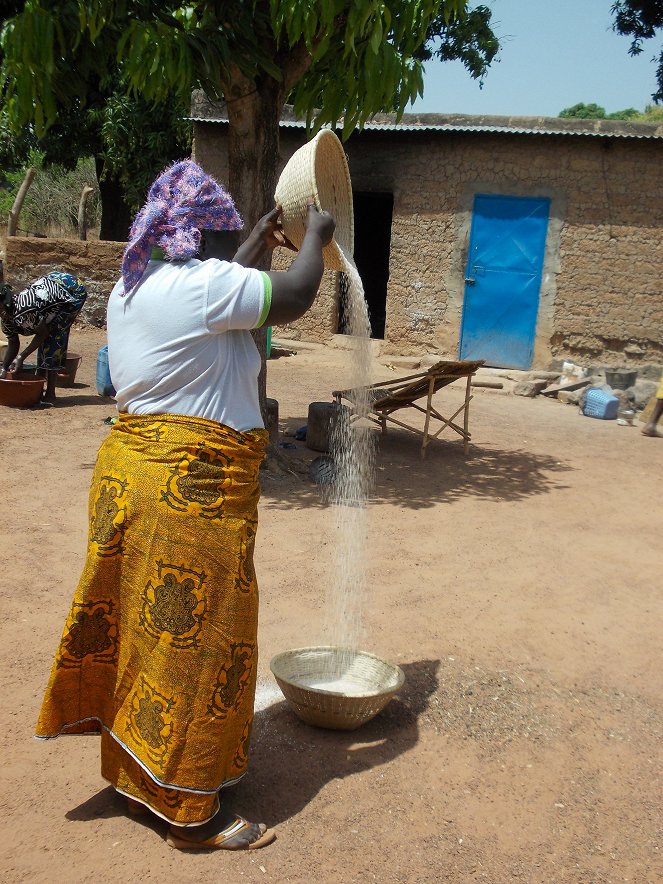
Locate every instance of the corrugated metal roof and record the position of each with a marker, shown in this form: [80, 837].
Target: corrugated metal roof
[506, 130]
[205, 111]
[656, 133]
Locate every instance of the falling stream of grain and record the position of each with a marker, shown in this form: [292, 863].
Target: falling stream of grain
[353, 451]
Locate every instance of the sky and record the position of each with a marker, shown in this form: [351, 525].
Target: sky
[555, 53]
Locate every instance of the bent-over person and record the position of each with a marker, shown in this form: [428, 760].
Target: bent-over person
[46, 310]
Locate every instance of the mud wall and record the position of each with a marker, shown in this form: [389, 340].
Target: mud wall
[96, 263]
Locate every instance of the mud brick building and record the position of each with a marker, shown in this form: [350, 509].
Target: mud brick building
[515, 240]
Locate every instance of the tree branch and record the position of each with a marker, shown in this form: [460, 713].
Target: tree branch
[294, 64]
[298, 59]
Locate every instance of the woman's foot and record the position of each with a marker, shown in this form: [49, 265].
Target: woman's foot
[136, 808]
[649, 430]
[224, 832]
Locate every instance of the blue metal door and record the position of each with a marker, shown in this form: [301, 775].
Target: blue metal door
[503, 279]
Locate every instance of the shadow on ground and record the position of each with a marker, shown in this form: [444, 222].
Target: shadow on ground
[445, 475]
[291, 761]
[69, 401]
[67, 397]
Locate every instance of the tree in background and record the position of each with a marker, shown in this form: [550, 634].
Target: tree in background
[129, 139]
[582, 111]
[629, 113]
[135, 140]
[641, 19]
[333, 59]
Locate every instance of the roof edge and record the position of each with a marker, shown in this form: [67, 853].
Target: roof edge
[203, 110]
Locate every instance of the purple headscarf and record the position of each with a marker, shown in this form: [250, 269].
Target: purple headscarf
[182, 201]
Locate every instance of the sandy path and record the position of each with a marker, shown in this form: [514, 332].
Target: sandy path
[520, 590]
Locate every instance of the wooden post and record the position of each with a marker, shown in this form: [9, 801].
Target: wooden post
[12, 221]
[466, 417]
[82, 222]
[431, 390]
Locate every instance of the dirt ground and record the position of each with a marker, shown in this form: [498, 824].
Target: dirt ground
[519, 589]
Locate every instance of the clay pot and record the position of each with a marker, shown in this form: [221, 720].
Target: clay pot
[21, 390]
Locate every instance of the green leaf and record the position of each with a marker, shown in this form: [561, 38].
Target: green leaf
[376, 37]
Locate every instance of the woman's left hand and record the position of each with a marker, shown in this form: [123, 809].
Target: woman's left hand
[17, 364]
[270, 231]
[267, 234]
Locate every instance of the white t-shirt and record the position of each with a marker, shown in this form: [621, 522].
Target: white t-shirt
[179, 343]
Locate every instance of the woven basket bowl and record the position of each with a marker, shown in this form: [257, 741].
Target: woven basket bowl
[319, 169]
[375, 680]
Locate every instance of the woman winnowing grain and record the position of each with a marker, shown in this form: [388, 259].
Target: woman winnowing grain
[159, 651]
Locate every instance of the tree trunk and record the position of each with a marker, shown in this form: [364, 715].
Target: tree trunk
[254, 111]
[253, 159]
[116, 216]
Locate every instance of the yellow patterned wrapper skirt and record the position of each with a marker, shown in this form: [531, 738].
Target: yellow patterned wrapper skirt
[159, 651]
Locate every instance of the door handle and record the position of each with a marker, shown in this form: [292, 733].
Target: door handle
[470, 280]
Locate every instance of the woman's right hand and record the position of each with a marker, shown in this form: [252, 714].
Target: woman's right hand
[17, 364]
[321, 223]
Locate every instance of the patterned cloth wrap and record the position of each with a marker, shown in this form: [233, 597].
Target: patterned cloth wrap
[56, 299]
[182, 201]
[159, 651]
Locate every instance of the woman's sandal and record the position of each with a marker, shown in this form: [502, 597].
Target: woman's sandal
[228, 839]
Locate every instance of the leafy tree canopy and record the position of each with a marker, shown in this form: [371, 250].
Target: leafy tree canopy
[347, 58]
[641, 20]
[629, 113]
[138, 139]
[468, 38]
[332, 59]
[130, 140]
[582, 111]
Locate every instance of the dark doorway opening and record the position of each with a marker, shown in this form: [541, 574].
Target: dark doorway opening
[372, 219]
